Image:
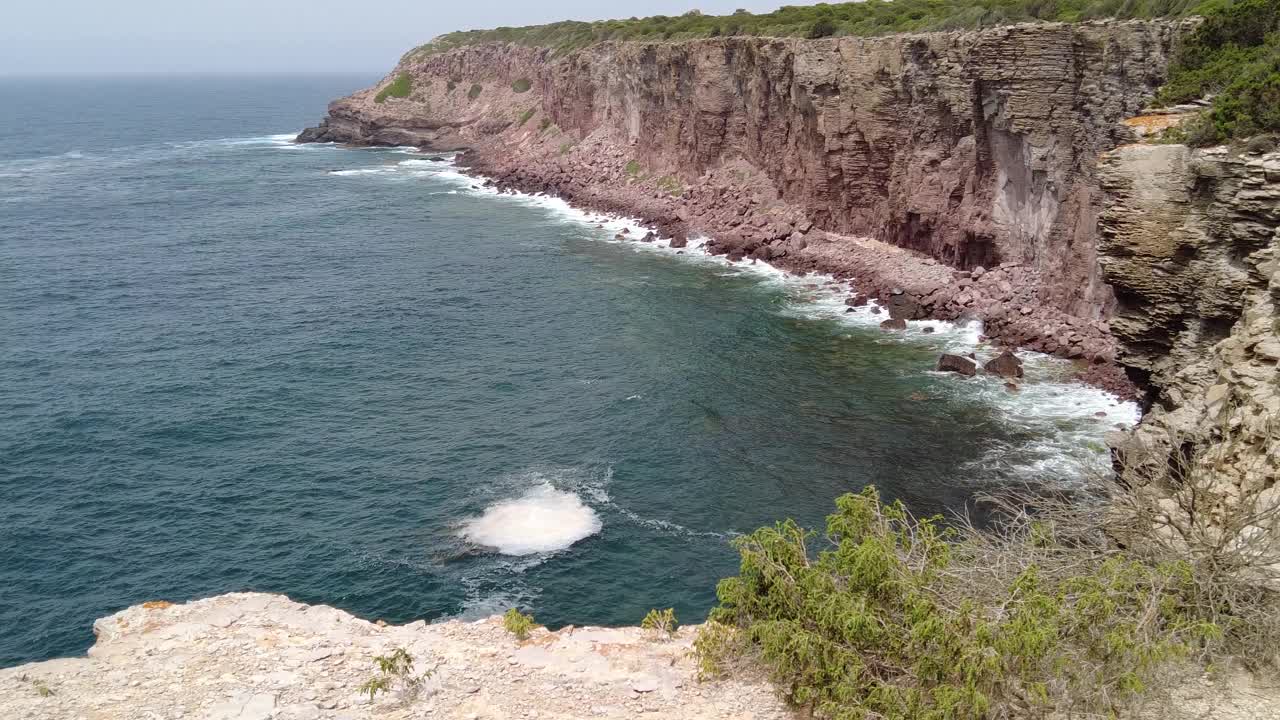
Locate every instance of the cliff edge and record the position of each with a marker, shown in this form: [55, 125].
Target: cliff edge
[251, 656]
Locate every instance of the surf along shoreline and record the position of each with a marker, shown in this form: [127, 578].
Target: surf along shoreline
[737, 211]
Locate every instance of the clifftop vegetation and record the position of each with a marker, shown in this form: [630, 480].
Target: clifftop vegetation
[1234, 55]
[872, 17]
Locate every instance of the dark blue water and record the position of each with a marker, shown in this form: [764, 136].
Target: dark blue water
[228, 367]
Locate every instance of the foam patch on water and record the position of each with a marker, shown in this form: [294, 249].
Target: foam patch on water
[542, 520]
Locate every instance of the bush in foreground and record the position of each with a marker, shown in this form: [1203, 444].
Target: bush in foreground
[890, 616]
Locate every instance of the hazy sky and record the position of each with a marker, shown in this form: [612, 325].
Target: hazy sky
[108, 36]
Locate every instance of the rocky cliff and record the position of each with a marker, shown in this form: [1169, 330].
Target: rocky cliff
[975, 149]
[951, 175]
[1190, 241]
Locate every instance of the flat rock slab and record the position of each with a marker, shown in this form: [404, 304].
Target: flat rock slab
[251, 656]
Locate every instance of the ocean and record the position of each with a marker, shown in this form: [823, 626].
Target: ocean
[356, 377]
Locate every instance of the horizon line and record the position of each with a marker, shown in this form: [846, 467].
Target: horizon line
[179, 73]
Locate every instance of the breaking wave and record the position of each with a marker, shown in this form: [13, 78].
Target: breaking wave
[541, 520]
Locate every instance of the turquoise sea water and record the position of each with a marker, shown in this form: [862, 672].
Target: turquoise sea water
[232, 363]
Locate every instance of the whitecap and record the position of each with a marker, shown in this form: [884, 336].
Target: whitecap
[541, 520]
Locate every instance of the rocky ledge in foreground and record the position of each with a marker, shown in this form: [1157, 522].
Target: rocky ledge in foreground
[252, 656]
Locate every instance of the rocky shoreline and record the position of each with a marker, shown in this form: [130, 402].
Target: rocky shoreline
[928, 170]
[743, 218]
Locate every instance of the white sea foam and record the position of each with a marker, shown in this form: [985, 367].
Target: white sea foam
[541, 520]
[1069, 418]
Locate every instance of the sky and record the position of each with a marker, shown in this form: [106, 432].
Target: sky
[170, 36]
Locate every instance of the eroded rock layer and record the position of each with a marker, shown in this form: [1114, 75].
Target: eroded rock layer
[1191, 243]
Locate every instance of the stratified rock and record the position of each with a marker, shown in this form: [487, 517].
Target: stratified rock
[1191, 242]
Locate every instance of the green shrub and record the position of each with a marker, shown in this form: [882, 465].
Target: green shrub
[825, 27]
[451, 85]
[398, 88]
[899, 617]
[1261, 144]
[1234, 55]
[524, 116]
[392, 669]
[546, 123]
[475, 90]
[872, 17]
[662, 622]
[633, 168]
[518, 624]
[522, 85]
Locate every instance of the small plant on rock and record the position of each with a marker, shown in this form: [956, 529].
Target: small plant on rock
[661, 622]
[518, 624]
[393, 669]
[42, 689]
[522, 85]
[474, 92]
[670, 184]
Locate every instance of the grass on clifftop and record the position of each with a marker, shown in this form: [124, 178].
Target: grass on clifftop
[398, 88]
[1234, 56]
[890, 616]
[873, 17]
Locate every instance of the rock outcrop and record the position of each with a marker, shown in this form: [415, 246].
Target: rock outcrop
[1191, 243]
[251, 656]
[957, 364]
[972, 150]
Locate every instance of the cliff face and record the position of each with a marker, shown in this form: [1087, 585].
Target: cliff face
[1191, 243]
[977, 148]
